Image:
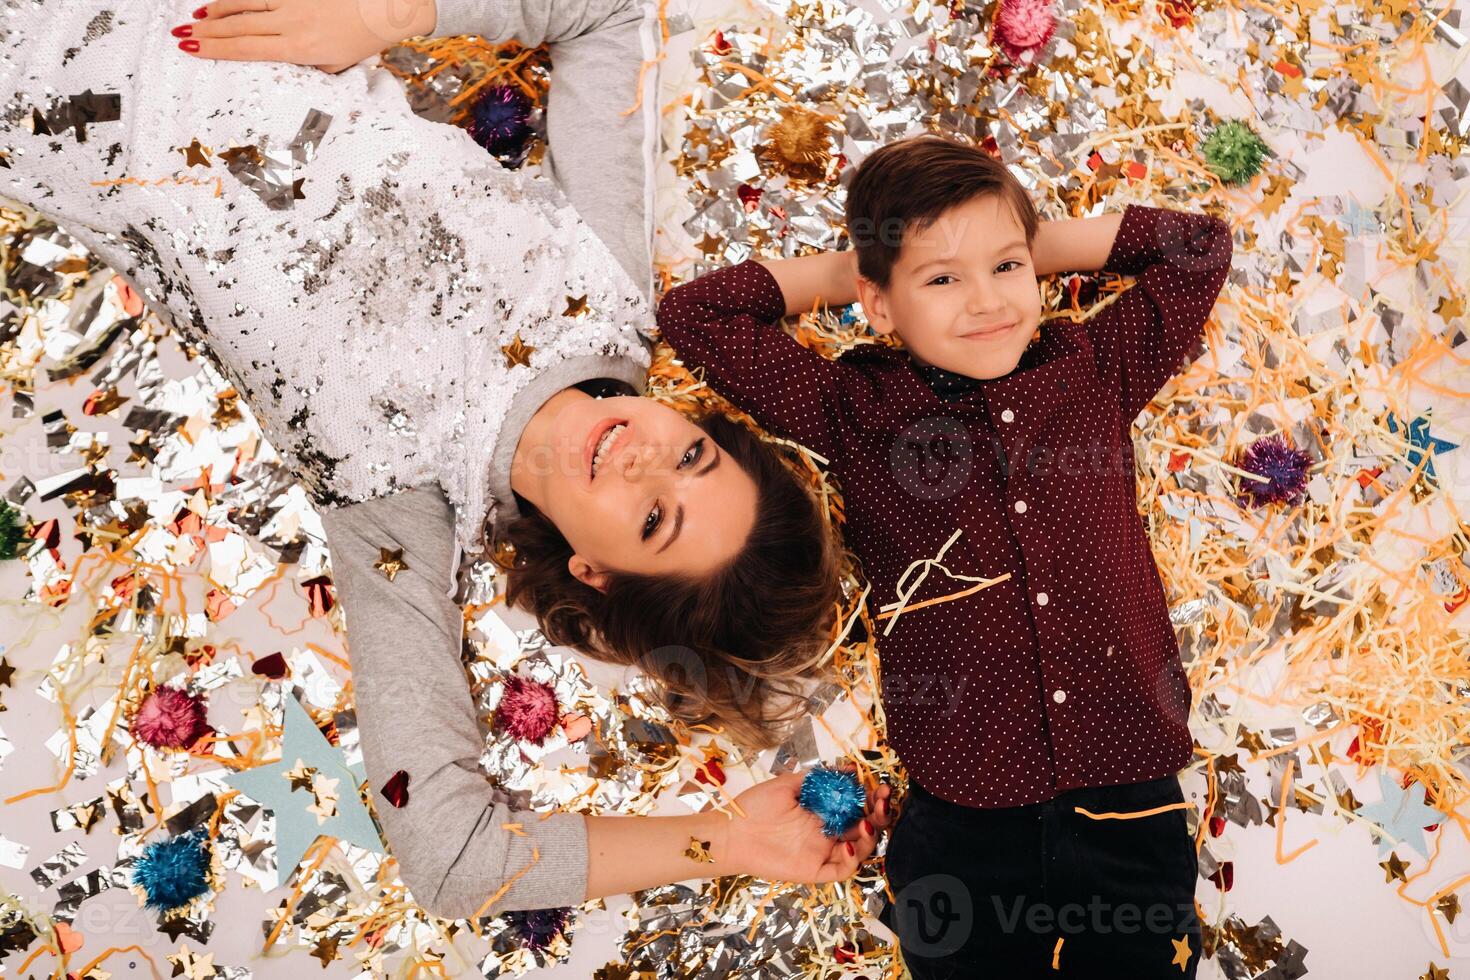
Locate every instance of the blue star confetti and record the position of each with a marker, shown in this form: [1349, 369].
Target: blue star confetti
[1420, 439]
[1402, 813]
[312, 791]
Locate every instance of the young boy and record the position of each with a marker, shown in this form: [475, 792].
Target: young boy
[1031, 679]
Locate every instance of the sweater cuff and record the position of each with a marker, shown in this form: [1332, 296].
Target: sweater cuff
[549, 855]
[557, 870]
[480, 17]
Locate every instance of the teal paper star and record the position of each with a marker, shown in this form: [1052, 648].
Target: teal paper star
[1420, 440]
[321, 766]
[1402, 813]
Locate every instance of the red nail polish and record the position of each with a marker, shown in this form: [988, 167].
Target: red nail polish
[201, 13]
[190, 46]
[183, 30]
[850, 851]
[867, 827]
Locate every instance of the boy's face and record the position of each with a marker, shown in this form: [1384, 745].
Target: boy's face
[963, 294]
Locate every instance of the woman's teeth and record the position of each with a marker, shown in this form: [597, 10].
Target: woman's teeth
[604, 444]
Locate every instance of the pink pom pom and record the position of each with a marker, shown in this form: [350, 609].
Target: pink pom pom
[527, 710]
[1022, 27]
[169, 719]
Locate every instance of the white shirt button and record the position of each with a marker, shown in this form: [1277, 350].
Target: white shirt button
[1059, 696]
[1020, 507]
[1008, 416]
[1042, 598]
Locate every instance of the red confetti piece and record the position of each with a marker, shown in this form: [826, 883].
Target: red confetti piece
[395, 790]
[319, 595]
[273, 666]
[132, 303]
[1224, 876]
[711, 772]
[749, 196]
[217, 605]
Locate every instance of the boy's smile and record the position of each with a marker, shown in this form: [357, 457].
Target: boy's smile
[963, 294]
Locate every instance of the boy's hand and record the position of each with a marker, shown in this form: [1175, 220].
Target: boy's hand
[781, 841]
[327, 34]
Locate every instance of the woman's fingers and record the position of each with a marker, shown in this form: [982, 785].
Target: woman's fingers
[881, 814]
[251, 48]
[842, 862]
[228, 8]
[240, 25]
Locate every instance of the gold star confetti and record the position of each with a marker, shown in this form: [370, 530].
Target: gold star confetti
[1181, 953]
[1393, 868]
[1448, 906]
[196, 154]
[576, 307]
[325, 950]
[301, 776]
[6, 672]
[243, 154]
[698, 850]
[710, 244]
[390, 562]
[227, 409]
[325, 804]
[1435, 973]
[140, 451]
[517, 352]
[189, 964]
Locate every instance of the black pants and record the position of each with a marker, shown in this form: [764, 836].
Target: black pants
[987, 893]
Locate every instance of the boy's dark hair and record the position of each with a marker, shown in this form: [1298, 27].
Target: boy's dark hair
[717, 647]
[905, 185]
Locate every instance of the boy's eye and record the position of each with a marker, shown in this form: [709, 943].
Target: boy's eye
[651, 523]
[1002, 266]
[936, 280]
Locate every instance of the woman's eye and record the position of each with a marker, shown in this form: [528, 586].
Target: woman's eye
[655, 517]
[936, 280]
[693, 455]
[1002, 266]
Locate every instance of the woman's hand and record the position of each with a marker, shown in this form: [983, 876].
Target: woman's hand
[327, 34]
[777, 840]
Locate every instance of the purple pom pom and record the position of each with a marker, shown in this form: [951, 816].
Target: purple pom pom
[501, 119]
[536, 929]
[1284, 466]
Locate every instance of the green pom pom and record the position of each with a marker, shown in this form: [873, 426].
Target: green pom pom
[12, 529]
[1234, 153]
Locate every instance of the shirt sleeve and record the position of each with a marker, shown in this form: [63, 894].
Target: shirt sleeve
[1180, 260]
[456, 845]
[728, 323]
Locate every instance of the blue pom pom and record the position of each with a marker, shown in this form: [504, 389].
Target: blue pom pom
[173, 871]
[834, 795]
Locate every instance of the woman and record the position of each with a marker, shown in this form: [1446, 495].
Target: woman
[403, 315]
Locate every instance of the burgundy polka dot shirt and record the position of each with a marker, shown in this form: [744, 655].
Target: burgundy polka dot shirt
[1063, 671]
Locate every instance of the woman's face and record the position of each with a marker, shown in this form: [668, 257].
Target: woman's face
[633, 486]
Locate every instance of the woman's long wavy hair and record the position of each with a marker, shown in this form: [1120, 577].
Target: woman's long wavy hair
[723, 647]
